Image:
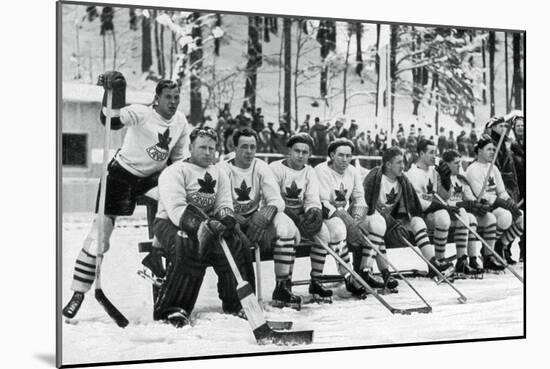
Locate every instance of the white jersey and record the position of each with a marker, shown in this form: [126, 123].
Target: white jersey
[389, 196]
[184, 183]
[252, 186]
[425, 183]
[460, 191]
[299, 188]
[338, 190]
[150, 140]
[475, 174]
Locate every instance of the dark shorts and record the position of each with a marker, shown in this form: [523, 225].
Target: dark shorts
[123, 188]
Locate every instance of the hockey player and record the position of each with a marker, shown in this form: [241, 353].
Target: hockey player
[343, 200]
[155, 134]
[509, 217]
[427, 179]
[391, 194]
[472, 212]
[299, 188]
[257, 199]
[195, 208]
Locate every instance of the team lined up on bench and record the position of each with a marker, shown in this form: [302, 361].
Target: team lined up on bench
[247, 201]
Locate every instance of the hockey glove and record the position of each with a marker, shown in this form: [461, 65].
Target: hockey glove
[208, 234]
[435, 206]
[395, 233]
[445, 174]
[113, 80]
[514, 209]
[312, 223]
[259, 222]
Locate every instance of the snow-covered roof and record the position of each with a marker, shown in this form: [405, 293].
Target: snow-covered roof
[79, 92]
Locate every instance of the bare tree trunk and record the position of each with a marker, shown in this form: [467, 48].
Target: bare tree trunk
[162, 59]
[491, 44]
[280, 79]
[157, 48]
[114, 50]
[195, 67]
[345, 83]
[146, 55]
[377, 65]
[393, 70]
[517, 84]
[298, 49]
[104, 53]
[172, 47]
[287, 23]
[484, 65]
[506, 69]
[417, 76]
[254, 60]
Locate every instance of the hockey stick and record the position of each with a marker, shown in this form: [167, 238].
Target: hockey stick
[428, 308]
[254, 314]
[113, 312]
[258, 271]
[462, 299]
[486, 179]
[499, 258]
[368, 288]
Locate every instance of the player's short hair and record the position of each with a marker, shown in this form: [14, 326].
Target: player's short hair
[450, 155]
[390, 153]
[165, 83]
[340, 142]
[483, 141]
[300, 138]
[246, 132]
[201, 132]
[423, 144]
[497, 119]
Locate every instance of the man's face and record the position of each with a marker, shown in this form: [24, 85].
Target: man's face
[455, 166]
[167, 102]
[499, 128]
[396, 165]
[428, 156]
[299, 154]
[341, 158]
[203, 151]
[520, 126]
[487, 153]
[245, 150]
[339, 124]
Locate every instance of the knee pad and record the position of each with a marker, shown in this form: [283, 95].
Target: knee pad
[504, 218]
[442, 220]
[180, 290]
[376, 224]
[284, 226]
[336, 229]
[416, 224]
[471, 220]
[323, 236]
[487, 220]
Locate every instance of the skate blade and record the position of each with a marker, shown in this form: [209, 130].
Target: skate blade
[290, 338]
[468, 276]
[386, 291]
[320, 300]
[282, 304]
[497, 272]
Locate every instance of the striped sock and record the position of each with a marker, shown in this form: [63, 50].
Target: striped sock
[490, 236]
[318, 256]
[440, 241]
[84, 272]
[378, 242]
[423, 243]
[283, 256]
[515, 231]
[499, 233]
[381, 260]
[461, 240]
[344, 254]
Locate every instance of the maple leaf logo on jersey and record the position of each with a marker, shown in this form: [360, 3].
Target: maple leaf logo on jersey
[293, 191]
[491, 181]
[341, 193]
[207, 184]
[457, 188]
[164, 139]
[430, 186]
[243, 192]
[160, 150]
[391, 197]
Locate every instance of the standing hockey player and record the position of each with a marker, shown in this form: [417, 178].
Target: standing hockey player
[154, 135]
[389, 193]
[257, 199]
[195, 208]
[471, 212]
[509, 217]
[299, 188]
[426, 180]
[345, 214]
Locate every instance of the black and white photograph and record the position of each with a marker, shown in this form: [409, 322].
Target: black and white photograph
[234, 183]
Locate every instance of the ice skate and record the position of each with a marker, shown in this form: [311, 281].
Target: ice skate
[283, 297]
[318, 293]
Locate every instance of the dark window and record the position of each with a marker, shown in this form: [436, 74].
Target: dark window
[75, 149]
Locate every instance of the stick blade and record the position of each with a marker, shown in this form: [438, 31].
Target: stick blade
[292, 338]
[279, 325]
[113, 312]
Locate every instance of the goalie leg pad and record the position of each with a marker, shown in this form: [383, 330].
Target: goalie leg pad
[180, 290]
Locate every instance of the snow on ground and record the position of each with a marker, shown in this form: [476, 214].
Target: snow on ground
[494, 309]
